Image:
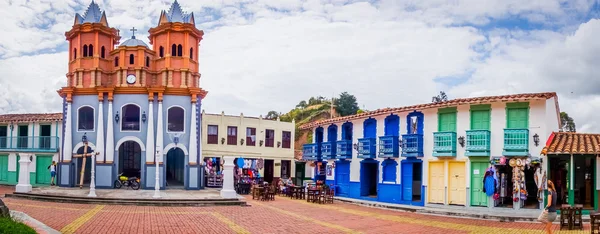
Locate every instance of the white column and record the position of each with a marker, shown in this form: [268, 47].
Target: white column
[68, 145]
[150, 133]
[92, 192]
[228, 191]
[159, 128]
[110, 137]
[193, 147]
[24, 185]
[100, 132]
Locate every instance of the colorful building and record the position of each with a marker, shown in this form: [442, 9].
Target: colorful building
[251, 139]
[573, 167]
[29, 135]
[130, 98]
[439, 153]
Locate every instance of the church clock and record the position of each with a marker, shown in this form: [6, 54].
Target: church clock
[130, 79]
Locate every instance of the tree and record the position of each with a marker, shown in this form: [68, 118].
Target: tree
[302, 104]
[568, 124]
[272, 115]
[346, 104]
[312, 101]
[440, 97]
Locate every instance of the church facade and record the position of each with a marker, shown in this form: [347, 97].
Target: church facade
[130, 100]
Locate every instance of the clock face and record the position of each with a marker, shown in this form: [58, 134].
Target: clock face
[130, 78]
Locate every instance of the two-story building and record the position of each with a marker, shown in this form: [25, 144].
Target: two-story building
[439, 153]
[254, 140]
[29, 135]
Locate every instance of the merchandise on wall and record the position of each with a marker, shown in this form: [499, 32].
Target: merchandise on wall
[521, 181]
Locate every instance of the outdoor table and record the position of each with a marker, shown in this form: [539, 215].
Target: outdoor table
[566, 217]
[257, 192]
[595, 222]
[313, 195]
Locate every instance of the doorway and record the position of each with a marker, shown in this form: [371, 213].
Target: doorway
[558, 168]
[42, 173]
[369, 175]
[45, 133]
[300, 173]
[342, 178]
[457, 193]
[130, 159]
[478, 197]
[583, 178]
[286, 169]
[532, 201]
[269, 169]
[175, 168]
[436, 182]
[22, 136]
[505, 182]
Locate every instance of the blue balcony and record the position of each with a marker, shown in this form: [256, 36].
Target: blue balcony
[412, 145]
[328, 150]
[311, 152]
[478, 143]
[48, 144]
[344, 149]
[366, 148]
[516, 142]
[444, 144]
[389, 146]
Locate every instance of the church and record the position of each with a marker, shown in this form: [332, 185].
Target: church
[129, 100]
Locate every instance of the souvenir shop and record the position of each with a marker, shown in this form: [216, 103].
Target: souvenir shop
[213, 168]
[247, 170]
[518, 182]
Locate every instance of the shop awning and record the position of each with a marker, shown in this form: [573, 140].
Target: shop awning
[572, 143]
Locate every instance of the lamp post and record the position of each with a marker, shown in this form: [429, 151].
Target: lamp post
[156, 172]
[93, 171]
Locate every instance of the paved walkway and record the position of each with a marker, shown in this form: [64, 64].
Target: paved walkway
[280, 216]
[208, 193]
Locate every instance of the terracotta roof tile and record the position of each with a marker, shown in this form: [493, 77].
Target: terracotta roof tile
[28, 118]
[570, 142]
[453, 102]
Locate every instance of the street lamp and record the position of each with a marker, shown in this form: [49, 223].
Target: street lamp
[156, 173]
[536, 139]
[461, 141]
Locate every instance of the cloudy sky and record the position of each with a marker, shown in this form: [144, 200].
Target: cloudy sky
[261, 55]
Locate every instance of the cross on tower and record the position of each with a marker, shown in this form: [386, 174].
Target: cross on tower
[133, 32]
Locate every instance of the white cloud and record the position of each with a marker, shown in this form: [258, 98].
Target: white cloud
[261, 55]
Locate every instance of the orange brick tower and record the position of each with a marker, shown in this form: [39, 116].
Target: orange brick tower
[138, 80]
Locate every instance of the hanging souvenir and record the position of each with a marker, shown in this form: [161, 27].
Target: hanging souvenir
[519, 162]
[512, 162]
[503, 160]
[260, 164]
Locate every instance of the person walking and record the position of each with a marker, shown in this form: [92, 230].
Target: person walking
[551, 206]
[52, 169]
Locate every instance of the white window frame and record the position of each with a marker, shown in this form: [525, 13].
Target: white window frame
[122, 117]
[93, 117]
[183, 119]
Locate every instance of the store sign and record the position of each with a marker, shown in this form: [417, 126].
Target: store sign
[277, 164]
[476, 172]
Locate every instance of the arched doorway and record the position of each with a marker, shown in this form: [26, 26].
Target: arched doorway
[79, 164]
[175, 171]
[130, 159]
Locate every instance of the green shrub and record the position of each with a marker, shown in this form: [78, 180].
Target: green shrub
[8, 225]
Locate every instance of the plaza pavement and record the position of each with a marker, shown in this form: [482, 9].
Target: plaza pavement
[280, 216]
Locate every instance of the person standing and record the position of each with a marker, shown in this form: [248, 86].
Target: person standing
[551, 206]
[52, 169]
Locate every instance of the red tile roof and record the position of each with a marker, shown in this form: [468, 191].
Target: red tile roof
[28, 118]
[453, 102]
[572, 143]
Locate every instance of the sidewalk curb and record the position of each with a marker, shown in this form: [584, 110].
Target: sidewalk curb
[33, 223]
[438, 212]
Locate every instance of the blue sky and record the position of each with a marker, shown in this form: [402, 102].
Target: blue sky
[261, 55]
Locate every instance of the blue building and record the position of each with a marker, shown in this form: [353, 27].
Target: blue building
[130, 99]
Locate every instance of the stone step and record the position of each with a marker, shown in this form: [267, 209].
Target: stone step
[128, 201]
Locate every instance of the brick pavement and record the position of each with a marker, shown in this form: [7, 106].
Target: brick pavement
[280, 216]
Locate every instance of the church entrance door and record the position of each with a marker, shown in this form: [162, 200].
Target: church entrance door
[175, 163]
[130, 159]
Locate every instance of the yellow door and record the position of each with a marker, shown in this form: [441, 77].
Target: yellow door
[457, 183]
[436, 182]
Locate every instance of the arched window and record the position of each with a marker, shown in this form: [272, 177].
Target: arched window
[161, 52]
[116, 61]
[147, 61]
[91, 50]
[175, 119]
[131, 118]
[74, 53]
[191, 53]
[85, 50]
[85, 118]
[179, 50]
[102, 52]
[174, 50]
[131, 59]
